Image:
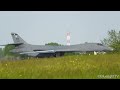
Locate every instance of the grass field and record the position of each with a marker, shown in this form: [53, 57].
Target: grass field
[67, 67]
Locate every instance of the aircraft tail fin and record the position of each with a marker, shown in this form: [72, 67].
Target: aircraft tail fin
[17, 39]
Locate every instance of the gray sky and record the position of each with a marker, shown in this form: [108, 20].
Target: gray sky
[40, 27]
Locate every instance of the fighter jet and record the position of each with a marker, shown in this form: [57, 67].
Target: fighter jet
[22, 47]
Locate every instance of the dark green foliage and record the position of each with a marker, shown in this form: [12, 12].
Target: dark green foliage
[113, 40]
[7, 50]
[53, 44]
[1, 53]
[9, 55]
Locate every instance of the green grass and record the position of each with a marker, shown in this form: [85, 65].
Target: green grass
[67, 67]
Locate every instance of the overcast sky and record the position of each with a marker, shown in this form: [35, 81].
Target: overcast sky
[40, 27]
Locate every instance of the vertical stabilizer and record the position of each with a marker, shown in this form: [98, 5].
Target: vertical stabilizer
[17, 39]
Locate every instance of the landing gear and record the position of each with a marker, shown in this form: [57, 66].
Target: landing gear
[58, 54]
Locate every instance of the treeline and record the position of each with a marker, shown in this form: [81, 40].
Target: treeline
[54, 44]
[113, 40]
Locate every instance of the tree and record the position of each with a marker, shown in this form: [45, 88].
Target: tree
[53, 44]
[7, 50]
[113, 40]
[1, 53]
[9, 55]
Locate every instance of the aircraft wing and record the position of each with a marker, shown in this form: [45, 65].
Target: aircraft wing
[68, 50]
[46, 51]
[36, 53]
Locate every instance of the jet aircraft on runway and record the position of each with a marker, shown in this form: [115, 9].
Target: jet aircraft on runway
[22, 47]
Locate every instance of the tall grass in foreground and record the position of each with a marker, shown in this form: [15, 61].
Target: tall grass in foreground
[67, 67]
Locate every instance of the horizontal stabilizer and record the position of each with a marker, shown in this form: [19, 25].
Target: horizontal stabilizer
[15, 44]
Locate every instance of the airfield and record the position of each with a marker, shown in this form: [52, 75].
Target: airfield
[60, 45]
[101, 66]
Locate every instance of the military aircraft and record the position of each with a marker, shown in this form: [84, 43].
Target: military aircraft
[22, 47]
